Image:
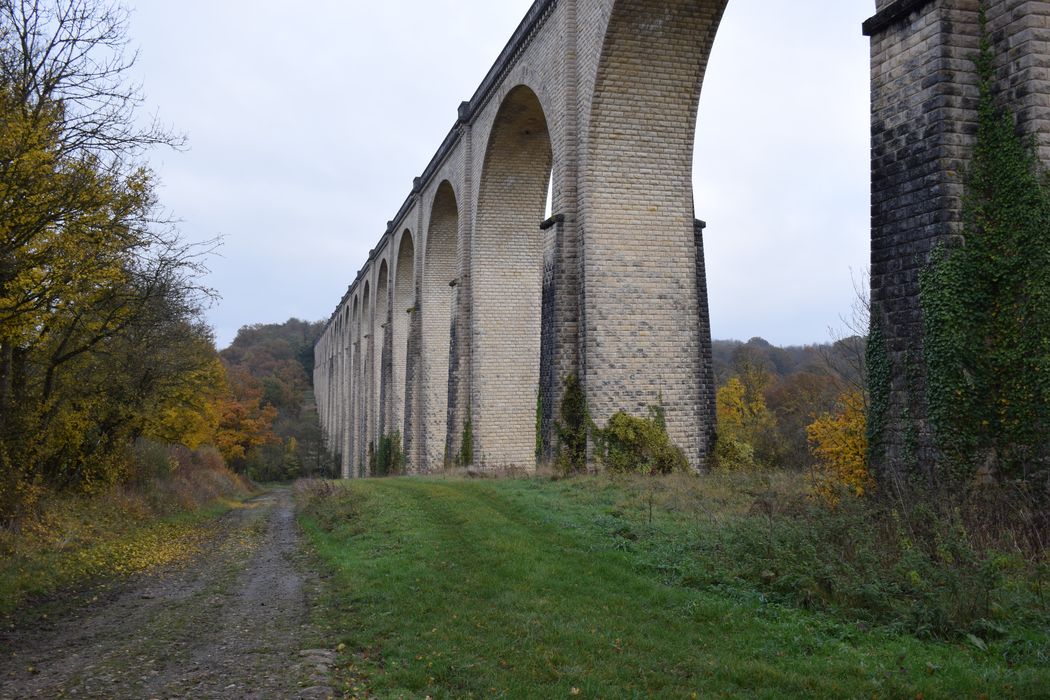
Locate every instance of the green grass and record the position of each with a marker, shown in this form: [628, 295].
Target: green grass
[539, 589]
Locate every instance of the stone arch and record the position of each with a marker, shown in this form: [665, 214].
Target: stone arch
[507, 281]
[403, 302]
[440, 270]
[643, 331]
[381, 322]
[364, 380]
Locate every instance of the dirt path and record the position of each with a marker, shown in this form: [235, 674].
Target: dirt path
[233, 623]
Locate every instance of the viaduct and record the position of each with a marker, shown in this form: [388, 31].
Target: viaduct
[475, 307]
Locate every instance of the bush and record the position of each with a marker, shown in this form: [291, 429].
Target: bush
[747, 430]
[388, 458]
[629, 444]
[151, 460]
[572, 429]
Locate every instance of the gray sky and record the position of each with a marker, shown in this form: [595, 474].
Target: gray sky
[307, 124]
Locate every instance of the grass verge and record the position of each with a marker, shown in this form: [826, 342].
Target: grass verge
[596, 588]
[78, 540]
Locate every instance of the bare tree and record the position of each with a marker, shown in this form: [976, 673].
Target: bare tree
[75, 53]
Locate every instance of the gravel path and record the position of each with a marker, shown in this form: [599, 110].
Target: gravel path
[233, 623]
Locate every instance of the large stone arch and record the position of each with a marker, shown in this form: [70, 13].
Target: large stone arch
[381, 325]
[507, 269]
[440, 270]
[643, 269]
[403, 305]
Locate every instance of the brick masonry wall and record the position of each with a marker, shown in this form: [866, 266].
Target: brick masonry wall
[642, 334]
[924, 102]
[705, 358]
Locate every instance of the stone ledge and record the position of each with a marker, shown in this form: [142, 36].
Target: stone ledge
[895, 12]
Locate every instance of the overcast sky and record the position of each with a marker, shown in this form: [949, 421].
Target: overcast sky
[307, 123]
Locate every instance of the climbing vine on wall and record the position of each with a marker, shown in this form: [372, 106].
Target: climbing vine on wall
[877, 362]
[571, 428]
[986, 308]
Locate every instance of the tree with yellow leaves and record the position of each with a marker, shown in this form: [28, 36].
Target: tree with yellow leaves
[839, 442]
[746, 427]
[100, 304]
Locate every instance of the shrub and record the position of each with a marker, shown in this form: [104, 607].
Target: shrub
[388, 457]
[466, 448]
[629, 444]
[151, 460]
[572, 428]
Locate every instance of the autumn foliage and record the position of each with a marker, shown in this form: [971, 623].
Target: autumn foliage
[102, 339]
[808, 414]
[840, 444]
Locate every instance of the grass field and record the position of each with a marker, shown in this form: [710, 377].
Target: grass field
[589, 588]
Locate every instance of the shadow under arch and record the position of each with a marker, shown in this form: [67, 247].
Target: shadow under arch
[644, 335]
[507, 282]
[437, 297]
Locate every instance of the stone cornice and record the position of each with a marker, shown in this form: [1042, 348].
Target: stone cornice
[892, 14]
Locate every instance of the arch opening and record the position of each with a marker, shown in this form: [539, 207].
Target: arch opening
[380, 326]
[404, 306]
[437, 300]
[507, 280]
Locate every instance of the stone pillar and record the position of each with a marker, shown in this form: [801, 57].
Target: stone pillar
[923, 122]
[706, 404]
[413, 399]
[452, 410]
[461, 409]
[548, 341]
[346, 423]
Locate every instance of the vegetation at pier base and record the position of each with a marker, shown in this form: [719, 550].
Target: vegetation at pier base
[466, 447]
[629, 444]
[571, 428]
[986, 307]
[729, 585]
[389, 458]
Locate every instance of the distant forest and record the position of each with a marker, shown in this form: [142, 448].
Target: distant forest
[769, 396]
[783, 391]
[274, 364]
[842, 360]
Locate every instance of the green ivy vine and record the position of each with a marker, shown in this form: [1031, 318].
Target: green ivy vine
[986, 309]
